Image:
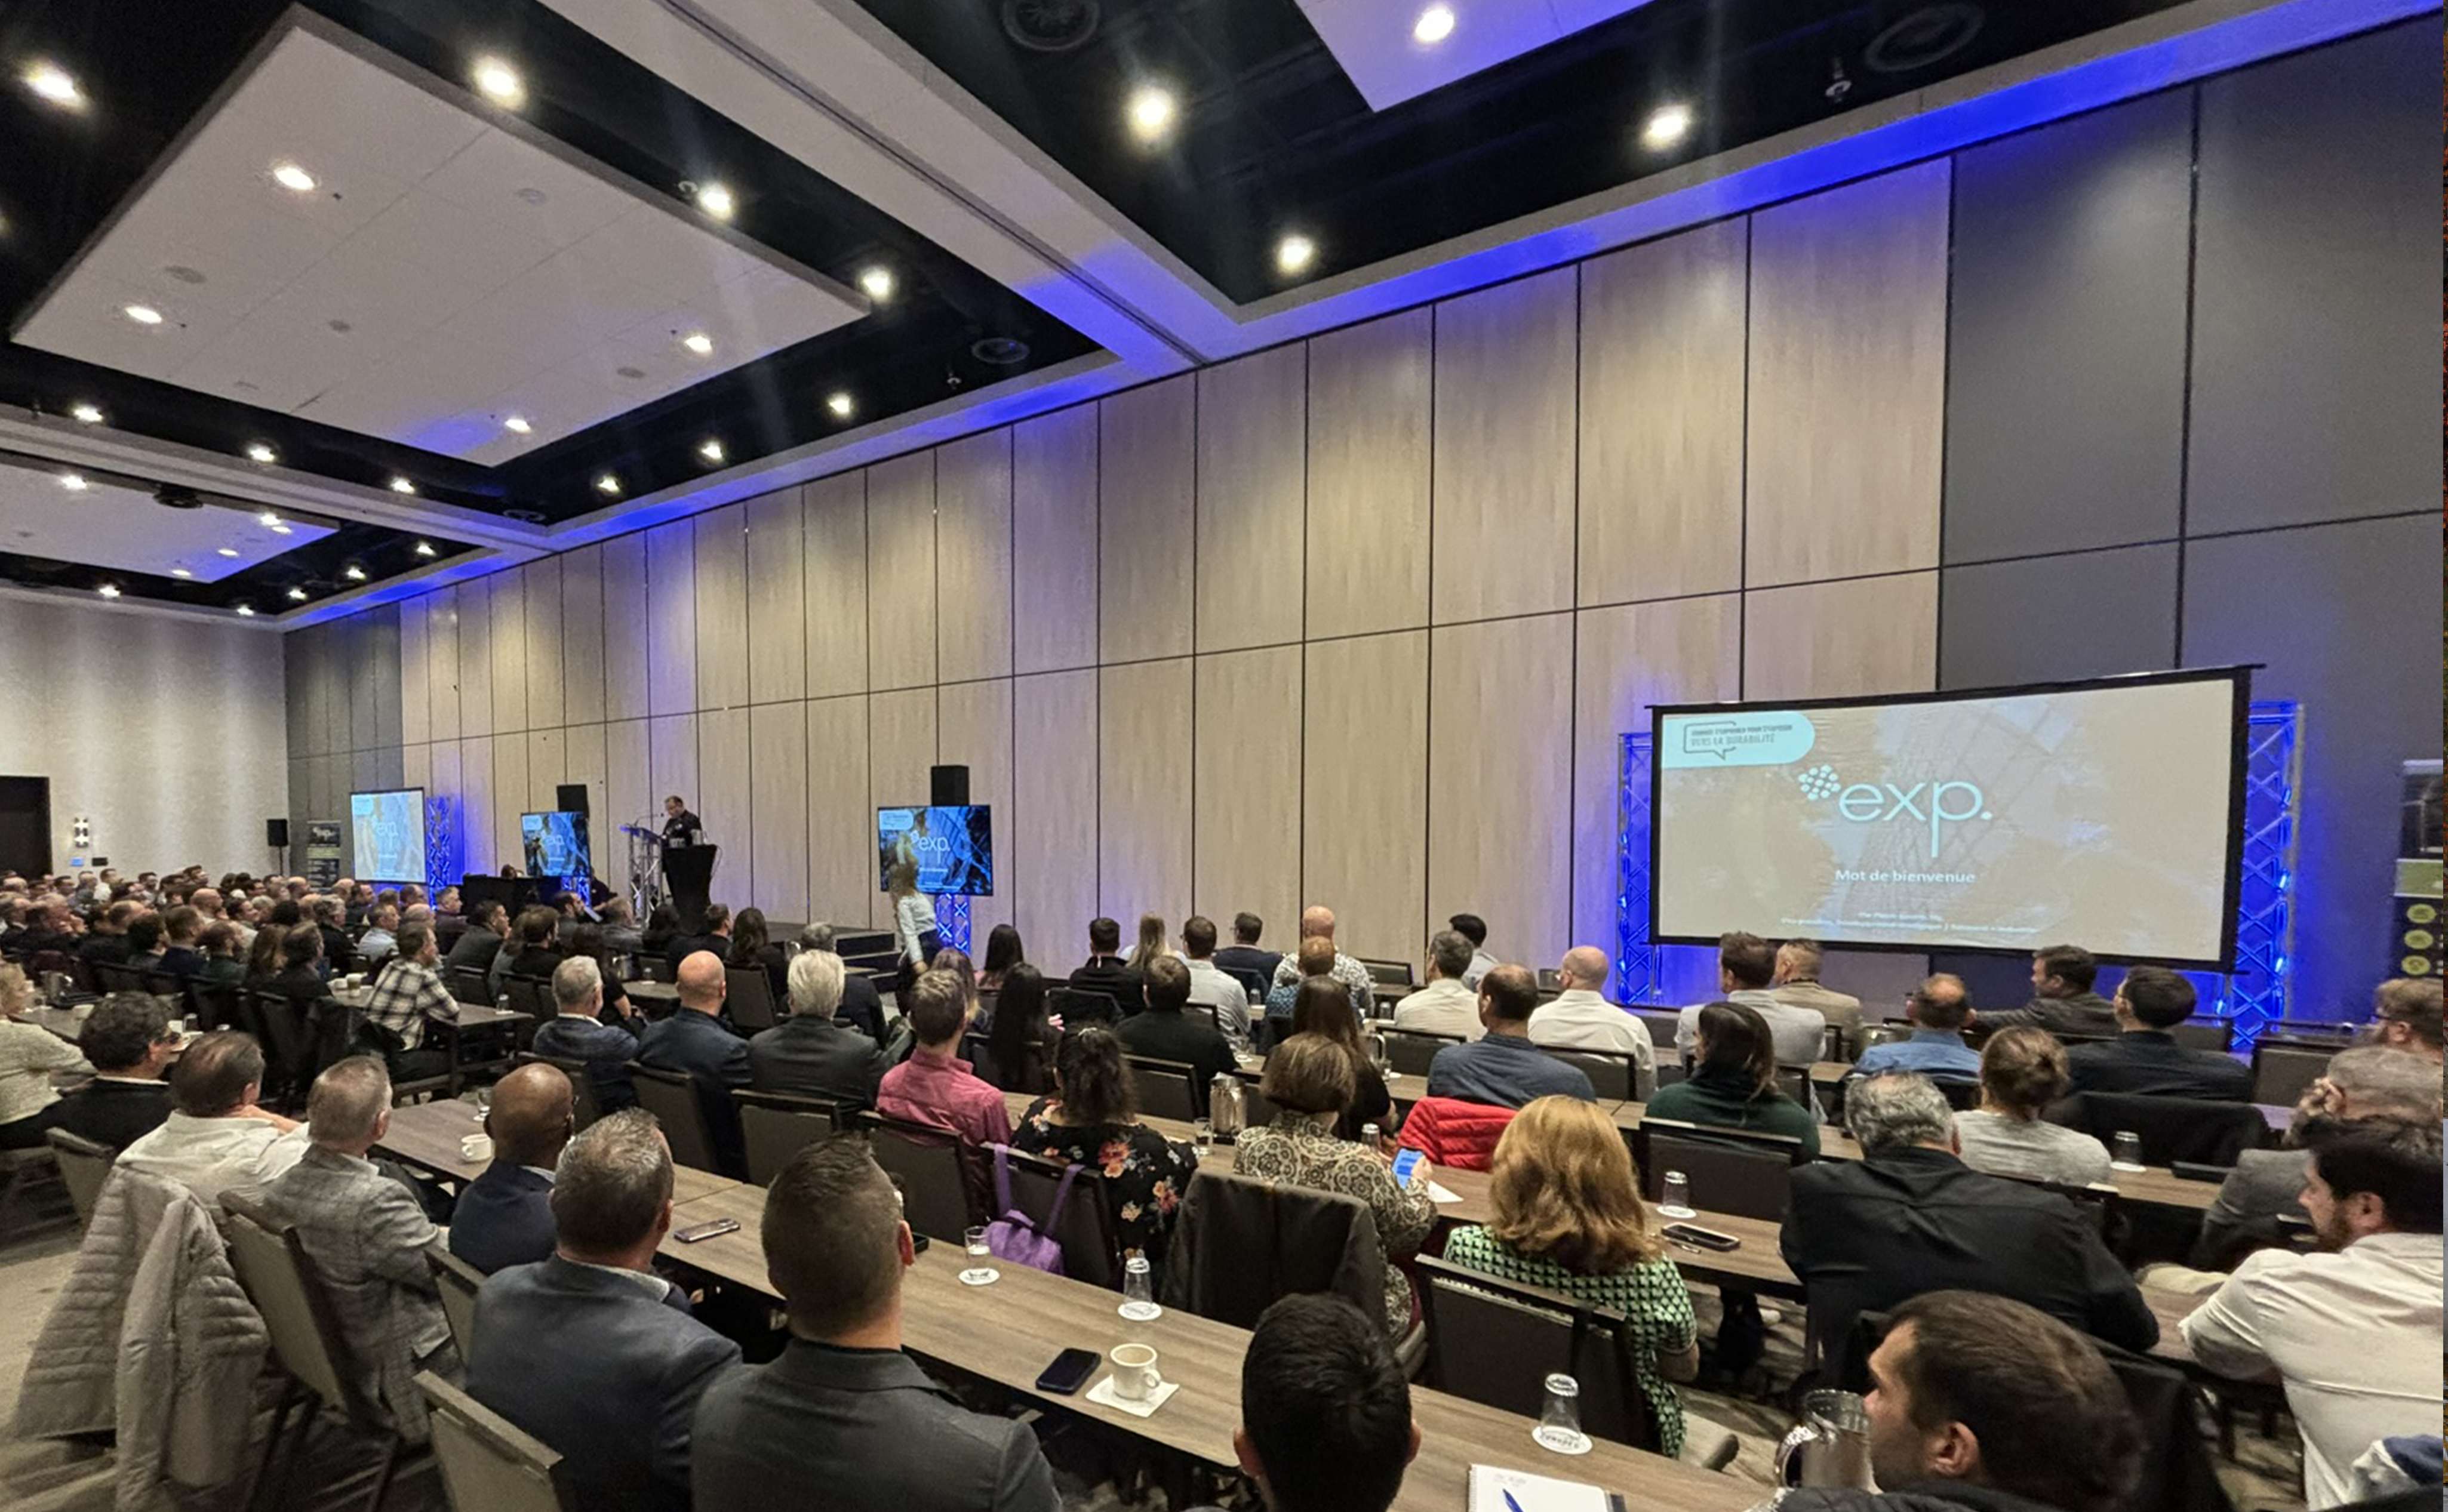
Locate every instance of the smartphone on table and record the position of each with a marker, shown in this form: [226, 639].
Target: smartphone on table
[1705, 1238]
[707, 1230]
[1069, 1373]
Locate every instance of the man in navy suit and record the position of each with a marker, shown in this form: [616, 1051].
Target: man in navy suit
[696, 1041]
[505, 1217]
[580, 1033]
[589, 1350]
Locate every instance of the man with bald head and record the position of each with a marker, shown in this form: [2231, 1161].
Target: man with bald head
[697, 1041]
[1317, 922]
[1581, 1019]
[505, 1217]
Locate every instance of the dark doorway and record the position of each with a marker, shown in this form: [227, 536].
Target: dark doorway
[26, 825]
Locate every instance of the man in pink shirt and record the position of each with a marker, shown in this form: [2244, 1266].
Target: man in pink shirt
[933, 1087]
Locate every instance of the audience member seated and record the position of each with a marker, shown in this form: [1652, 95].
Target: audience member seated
[1243, 953]
[1733, 1084]
[1210, 985]
[696, 1039]
[1003, 952]
[1308, 1080]
[1939, 1009]
[303, 978]
[1569, 1218]
[1152, 945]
[130, 1042]
[713, 935]
[1020, 1042]
[215, 1137]
[589, 1350]
[1745, 967]
[1323, 1008]
[1979, 1404]
[933, 1086]
[580, 1032]
[2405, 1015]
[1909, 1218]
[1105, 972]
[588, 940]
[481, 941]
[382, 934]
[1797, 985]
[1313, 958]
[181, 928]
[2063, 1001]
[105, 938]
[1325, 1413]
[366, 1236]
[843, 1408]
[2352, 1330]
[1317, 922]
[1474, 929]
[1164, 1030]
[1502, 1068]
[504, 1217]
[663, 926]
[339, 951]
[620, 934]
[29, 1055]
[408, 994]
[538, 952]
[2145, 1058]
[752, 946]
[1578, 1018]
[1091, 1120]
[1443, 1004]
[810, 1054]
[862, 1005]
[2022, 1073]
[144, 943]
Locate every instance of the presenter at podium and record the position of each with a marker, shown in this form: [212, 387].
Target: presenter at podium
[681, 828]
[688, 863]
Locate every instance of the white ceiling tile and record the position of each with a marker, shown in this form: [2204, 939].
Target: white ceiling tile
[284, 355]
[404, 130]
[640, 370]
[421, 387]
[475, 250]
[665, 252]
[500, 174]
[555, 310]
[226, 170]
[106, 526]
[87, 320]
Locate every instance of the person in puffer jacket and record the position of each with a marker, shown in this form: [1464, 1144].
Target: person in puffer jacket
[1980, 1403]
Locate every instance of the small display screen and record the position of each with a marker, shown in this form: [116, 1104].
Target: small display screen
[951, 848]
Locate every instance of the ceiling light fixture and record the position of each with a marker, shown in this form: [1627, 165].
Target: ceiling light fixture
[261, 451]
[227, 551]
[109, 591]
[298, 594]
[841, 405]
[716, 200]
[425, 549]
[498, 82]
[699, 342]
[1295, 253]
[53, 83]
[289, 176]
[75, 483]
[353, 573]
[180, 572]
[84, 414]
[1435, 24]
[517, 425]
[1667, 125]
[1152, 112]
[606, 483]
[876, 283]
[143, 314]
[400, 485]
[269, 518]
[246, 611]
[709, 448]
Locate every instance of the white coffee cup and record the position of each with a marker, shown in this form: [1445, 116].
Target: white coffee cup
[476, 1147]
[1135, 1374]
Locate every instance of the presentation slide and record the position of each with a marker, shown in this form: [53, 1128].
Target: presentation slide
[953, 846]
[388, 829]
[556, 845]
[2100, 815]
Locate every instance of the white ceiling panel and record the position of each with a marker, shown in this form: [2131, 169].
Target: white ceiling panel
[1373, 39]
[443, 263]
[106, 526]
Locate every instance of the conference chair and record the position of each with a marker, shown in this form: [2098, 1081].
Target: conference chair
[588, 1109]
[1240, 1244]
[111, 977]
[1742, 1171]
[933, 1171]
[1613, 1076]
[2317, 1030]
[1085, 1228]
[1253, 985]
[775, 1127]
[2200, 1130]
[1168, 1089]
[750, 1002]
[531, 996]
[24, 1175]
[487, 1465]
[1388, 973]
[1962, 1094]
[84, 1167]
[287, 1055]
[1408, 1051]
[1079, 1006]
[467, 984]
[1495, 1341]
[671, 1097]
[213, 1003]
[1661, 1023]
[457, 1283]
[2206, 1032]
[2283, 1069]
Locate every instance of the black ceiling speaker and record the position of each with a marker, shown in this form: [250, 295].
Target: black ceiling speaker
[1924, 38]
[1049, 26]
[570, 797]
[948, 787]
[173, 496]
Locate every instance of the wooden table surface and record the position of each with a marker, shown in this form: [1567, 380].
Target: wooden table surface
[426, 1135]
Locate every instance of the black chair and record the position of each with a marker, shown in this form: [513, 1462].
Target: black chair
[586, 1107]
[467, 984]
[2282, 1069]
[1961, 1093]
[1496, 1342]
[1079, 1006]
[938, 1180]
[1253, 985]
[749, 999]
[2171, 1129]
[1168, 1089]
[110, 976]
[1388, 973]
[1742, 1171]
[1085, 1228]
[671, 1097]
[2206, 1032]
[1613, 1076]
[288, 1057]
[84, 1167]
[213, 1003]
[775, 1127]
[1408, 1051]
[531, 996]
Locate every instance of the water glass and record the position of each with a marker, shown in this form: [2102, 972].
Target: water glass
[484, 1102]
[1370, 1136]
[2126, 1154]
[1560, 1418]
[1202, 1135]
[979, 1272]
[1139, 1293]
[1677, 1200]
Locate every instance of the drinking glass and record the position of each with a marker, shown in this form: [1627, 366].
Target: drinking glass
[2127, 1153]
[484, 1102]
[1139, 1293]
[1560, 1418]
[979, 1272]
[1202, 1135]
[1677, 1200]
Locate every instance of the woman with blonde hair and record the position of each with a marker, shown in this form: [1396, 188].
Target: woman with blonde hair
[1152, 943]
[2022, 1071]
[913, 919]
[1569, 1218]
[29, 1055]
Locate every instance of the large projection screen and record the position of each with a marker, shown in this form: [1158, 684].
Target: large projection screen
[388, 829]
[2107, 815]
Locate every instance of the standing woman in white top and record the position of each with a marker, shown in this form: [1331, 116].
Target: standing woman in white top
[913, 921]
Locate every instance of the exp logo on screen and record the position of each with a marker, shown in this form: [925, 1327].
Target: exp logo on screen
[1952, 801]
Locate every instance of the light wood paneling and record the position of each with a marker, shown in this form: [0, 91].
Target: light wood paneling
[584, 634]
[1503, 533]
[900, 748]
[1145, 479]
[442, 662]
[1848, 380]
[778, 606]
[475, 658]
[1053, 540]
[509, 622]
[1247, 767]
[627, 627]
[721, 545]
[1370, 391]
[1253, 499]
[1629, 658]
[628, 774]
[841, 822]
[1661, 499]
[1052, 837]
[444, 776]
[901, 572]
[671, 618]
[1501, 769]
[1842, 640]
[975, 732]
[415, 703]
[671, 768]
[416, 768]
[581, 760]
[1143, 797]
[476, 810]
[547, 768]
[547, 676]
[510, 795]
[835, 529]
[973, 557]
[1365, 790]
[776, 858]
[723, 800]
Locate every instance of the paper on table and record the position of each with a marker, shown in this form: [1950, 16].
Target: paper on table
[1440, 1193]
[1493, 1490]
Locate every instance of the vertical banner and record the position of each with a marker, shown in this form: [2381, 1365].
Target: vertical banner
[322, 853]
[2415, 933]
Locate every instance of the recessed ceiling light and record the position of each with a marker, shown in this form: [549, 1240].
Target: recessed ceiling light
[517, 425]
[606, 483]
[267, 517]
[399, 484]
[85, 413]
[281, 530]
[73, 482]
[876, 283]
[498, 82]
[180, 572]
[245, 611]
[52, 82]
[261, 451]
[289, 176]
[1434, 25]
[699, 342]
[227, 551]
[298, 594]
[425, 549]
[353, 573]
[1152, 112]
[840, 404]
[1295, 253]
[709, 448]
[1667, 125]
[109, 591]
[716, 200]
[143, 314]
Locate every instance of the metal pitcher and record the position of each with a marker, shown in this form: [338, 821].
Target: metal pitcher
[1831, 1447]
[1224, 1104]
[1377, 1054]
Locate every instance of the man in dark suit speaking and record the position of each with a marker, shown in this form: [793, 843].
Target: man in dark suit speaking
[681, 828]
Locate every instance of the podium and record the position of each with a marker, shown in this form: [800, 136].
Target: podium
[688, 882]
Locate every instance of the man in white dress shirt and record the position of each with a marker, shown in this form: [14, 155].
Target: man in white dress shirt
[1446, 1006]
[1210, 984]
[216, 1137]
[1746, 967]
[1579, 1019]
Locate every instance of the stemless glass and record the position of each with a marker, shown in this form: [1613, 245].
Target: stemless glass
[1139, 1293]
[1676, 1202]
[1202, 1135]
[979, 1272]
[1560, 1418]
[2127, 1153]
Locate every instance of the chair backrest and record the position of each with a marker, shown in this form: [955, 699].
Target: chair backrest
[2282, 1069]
[83, 1166]
[1091, 1249]
[927, 1166]
[457, 1282]
[2198, 1130]
[1496, 1342]
[1962, 1094]
[1794, 1081]
[1251, 980]
[775, 1127]
[1240, 1244]
[1408, 1051]
[750, 1001]
[2209, 1032]
[1614, 1077]
[1388, 973]
[531, 996]
[1742, 1171]
[467, 984]
[1168, 1089]
[114, 977]
[1079, 1006]
[487, 1465]
[587, 1107]
[671, 1097]
[214, 1004]
[280, 1279]
[284, 1039]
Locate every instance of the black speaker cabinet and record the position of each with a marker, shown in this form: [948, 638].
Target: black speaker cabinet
[949, 786]
[276, 833]
[570, 797]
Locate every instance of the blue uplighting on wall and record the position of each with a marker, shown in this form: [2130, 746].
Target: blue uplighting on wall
[953, 920]
[442, 868]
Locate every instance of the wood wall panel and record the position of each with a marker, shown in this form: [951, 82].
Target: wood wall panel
[1661, 417]
[721, 549]
[1146, 478]
[1842, 640]
[475, 658]
[1365, 791]
[1501, 765]
[627, 627]
[671, 618]
[1143, 797]
[383, 649]
[776, 858]
[672, 768]
[901, 572]
[442, 662]
[509, 796]
[581, 760]
[547, 768]
[1848, 361]
[1053, 540]
[475, 803]
[1502, 522]
[628, 774]
[975, 731]
[841, 820]
[1369, 391]
[507, 620]
[973, 557]
[415, 703]
[834, 526]
[1052, 838]
[583, 634]
[1253, 499]
[900, 748]
[355, 671]
[777, 605]
[1246, 774]
[546, 671]
[416, 767]
[723, 801]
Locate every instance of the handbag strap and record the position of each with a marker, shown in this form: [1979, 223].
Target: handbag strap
[1003, 1178]
[1061, 1195]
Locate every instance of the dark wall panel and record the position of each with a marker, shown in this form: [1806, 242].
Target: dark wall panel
[381, 669]
[2317, 277]
[2066, 335]
[2092, 615]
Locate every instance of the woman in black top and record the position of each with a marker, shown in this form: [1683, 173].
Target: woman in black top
[1020, 1046]
[662, 928]
[1323, 1005]
[1093, 1120]
[751, 944]
[1002, 953]
[587, 940]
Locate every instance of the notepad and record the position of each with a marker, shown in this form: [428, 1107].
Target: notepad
[1440, 1193]
[1491, 1485]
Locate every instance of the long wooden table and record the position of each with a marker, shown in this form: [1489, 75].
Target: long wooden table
[426, 1135]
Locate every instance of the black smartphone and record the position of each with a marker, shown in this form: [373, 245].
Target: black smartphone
[1069, 1372]
[1705, 1238]
[706, 1230]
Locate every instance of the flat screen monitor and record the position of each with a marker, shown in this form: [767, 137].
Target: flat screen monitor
[952, 845]
[2107, 815]
[556, 846]
[388, 829]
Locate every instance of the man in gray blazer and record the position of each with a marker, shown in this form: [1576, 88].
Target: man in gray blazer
[591, 1350]
[812, 1054]
[843, 1414]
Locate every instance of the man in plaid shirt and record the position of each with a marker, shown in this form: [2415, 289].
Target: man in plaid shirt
[408, 992]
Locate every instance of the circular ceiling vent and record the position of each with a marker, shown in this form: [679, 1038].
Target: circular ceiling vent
[173, 496]
[1924, 38]
[1000, 352]
[525, 516]
[1049, 26]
